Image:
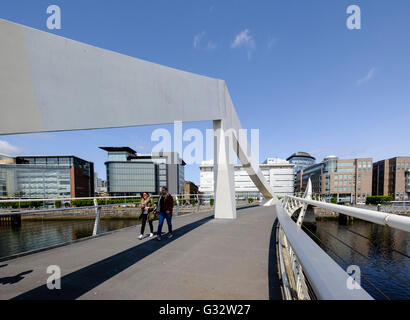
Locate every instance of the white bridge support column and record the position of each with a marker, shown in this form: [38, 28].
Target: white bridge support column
[224, 184]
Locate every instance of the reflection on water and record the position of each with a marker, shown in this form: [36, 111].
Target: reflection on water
[383, 255]
[33, 235]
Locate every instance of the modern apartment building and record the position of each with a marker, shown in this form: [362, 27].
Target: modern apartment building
[301, 160]
[279, 174]
[348, 180]
[391, 177]
[46, 177]
[129, 173]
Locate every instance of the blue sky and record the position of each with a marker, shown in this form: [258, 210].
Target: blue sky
[292, 67]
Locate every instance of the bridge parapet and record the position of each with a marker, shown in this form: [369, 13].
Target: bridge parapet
[314, 274]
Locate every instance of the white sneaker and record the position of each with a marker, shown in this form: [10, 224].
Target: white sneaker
[140, 237]
[151, 235]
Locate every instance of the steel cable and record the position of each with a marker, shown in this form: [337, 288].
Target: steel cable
[357, 233]
[366, 257]
[345, 263]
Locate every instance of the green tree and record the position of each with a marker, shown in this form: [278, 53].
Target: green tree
[378, 199]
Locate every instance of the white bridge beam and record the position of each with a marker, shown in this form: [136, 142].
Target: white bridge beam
[50, 83]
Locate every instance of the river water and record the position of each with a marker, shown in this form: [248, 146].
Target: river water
[34, 235]
[381, 253]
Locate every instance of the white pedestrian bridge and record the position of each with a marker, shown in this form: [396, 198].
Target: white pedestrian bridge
[49, 83]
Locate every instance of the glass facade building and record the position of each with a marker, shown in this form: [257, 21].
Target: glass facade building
[131, 178]
[391, 178]
[347, 180]
[301, 160]
[129, 173]
[46, 177]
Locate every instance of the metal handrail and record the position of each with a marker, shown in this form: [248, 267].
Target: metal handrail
[37, 211]
[178, 199]
[378, 217]
[87, 198]
[327, 279]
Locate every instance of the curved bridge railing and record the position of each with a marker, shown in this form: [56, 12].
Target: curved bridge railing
[307, 271]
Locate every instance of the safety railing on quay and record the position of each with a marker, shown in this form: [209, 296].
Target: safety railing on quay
[307, 271]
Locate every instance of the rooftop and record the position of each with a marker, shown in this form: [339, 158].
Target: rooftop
[301, 154]
[119, 149]
[275, 161]
[168, 155]
[53, 156]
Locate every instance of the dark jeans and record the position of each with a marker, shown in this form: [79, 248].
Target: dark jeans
[144, 221]
[162, 216]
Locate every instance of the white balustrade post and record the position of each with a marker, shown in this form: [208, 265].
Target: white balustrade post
[97, 217]
[176, 211]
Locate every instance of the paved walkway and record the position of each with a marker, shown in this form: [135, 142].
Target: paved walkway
[207, 259]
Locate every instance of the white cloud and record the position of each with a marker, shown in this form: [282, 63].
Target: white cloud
[8, 149]
[367, 78]
[211, 45]
[272, 42]
[244, 39]
[197, 39]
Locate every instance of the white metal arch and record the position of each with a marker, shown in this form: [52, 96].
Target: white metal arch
[50, 83]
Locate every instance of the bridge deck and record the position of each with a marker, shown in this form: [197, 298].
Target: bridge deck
[207, 259]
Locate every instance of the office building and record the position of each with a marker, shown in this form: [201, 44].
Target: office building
[46, 177]
[278, 173]
[129, 173]
[190, 188]
[301, 160]
[391, 177]
[100, 185]
[5, 175]
[348, 180]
